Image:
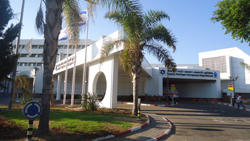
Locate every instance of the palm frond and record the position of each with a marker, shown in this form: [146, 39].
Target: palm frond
[152, 17]
[40, 20]
[108, 47]
[71, 13]
[161, 54]
[162, 34]
[131, 24]
[247, 66]
[128, 6]
[126, 59]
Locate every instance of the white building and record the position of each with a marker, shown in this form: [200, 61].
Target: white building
[208, 79]
[227, 61]
[27, 63]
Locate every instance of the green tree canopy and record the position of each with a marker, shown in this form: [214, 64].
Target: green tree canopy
[7, 57]
[234, 15]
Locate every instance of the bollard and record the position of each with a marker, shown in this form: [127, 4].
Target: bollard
[29, 132]
[139, 109]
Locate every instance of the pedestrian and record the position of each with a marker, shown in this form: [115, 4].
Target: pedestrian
[239, 101]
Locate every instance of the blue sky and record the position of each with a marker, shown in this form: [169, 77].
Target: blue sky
[189, 22]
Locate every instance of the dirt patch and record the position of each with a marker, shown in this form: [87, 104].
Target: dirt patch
[58, 134]
[10, 130]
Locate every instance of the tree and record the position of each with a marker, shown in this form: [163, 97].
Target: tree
[24, 87]
[247, 66]
[234, 15]
[51, 27]
[34, 80]
[7, 57]
[144, 31]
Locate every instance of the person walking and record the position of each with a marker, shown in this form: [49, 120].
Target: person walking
[239, 101]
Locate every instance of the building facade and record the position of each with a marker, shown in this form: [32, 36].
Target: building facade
[208, 79]
[27, 63]
[227, 61]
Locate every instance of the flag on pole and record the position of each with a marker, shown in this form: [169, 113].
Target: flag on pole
[28, 47]
[84, 17]
[64, 34]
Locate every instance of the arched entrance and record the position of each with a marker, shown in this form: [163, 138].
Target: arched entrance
[100, 86]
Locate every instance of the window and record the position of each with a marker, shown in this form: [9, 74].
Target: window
[65, 47]
[39, 64]
[79, 47]
[70, 47]
[60, 47]
[23, 64]
[40, 47]
[215, 63]
[32, 64]
[33, 55]
[40, 55]
[34, 47]
[24, 55]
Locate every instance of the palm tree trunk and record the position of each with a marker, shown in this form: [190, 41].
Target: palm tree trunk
[51, 32]
[34, 83]
[135, 93]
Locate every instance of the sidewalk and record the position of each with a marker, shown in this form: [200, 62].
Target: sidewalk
[235, 105]
[156, 127]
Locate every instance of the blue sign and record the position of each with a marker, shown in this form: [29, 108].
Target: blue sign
[32, 110]
[162, 72]
[215, 74]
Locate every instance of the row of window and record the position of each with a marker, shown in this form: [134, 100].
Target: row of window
[41, 55]
[32, 55]
[59, 47]
[29, 64]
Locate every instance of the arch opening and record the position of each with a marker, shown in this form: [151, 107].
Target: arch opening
[100, 86]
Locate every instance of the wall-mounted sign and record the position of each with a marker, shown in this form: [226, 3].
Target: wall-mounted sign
[193, 73]
[162, 71]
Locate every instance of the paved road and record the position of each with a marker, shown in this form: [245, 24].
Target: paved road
[203, 121]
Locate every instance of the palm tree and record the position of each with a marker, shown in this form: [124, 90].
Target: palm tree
[34, 80]
[143, 32]
[247, 66]
[24, 84]
[51, 27]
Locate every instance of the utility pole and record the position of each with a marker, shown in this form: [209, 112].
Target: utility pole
[13, 76]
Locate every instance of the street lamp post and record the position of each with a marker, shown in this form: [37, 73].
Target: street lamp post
[233, 79]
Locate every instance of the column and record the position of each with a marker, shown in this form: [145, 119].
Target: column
[59, 84]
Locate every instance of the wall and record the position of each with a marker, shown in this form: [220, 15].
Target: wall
[235, 55]
[125, 85]
[198, 90]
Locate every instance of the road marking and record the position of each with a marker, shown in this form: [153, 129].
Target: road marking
[246, 120]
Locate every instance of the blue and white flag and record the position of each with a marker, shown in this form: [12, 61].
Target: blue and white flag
[84, 17]
[64, 34]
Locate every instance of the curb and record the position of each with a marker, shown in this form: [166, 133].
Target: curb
[121, 133]
[154, 105]
[230, 105]
[163, 134]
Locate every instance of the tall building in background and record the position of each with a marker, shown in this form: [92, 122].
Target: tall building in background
[27, 63]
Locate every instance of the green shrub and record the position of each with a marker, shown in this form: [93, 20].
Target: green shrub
[90, 102]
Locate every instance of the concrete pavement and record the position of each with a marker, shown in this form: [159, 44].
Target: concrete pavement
[203, 121]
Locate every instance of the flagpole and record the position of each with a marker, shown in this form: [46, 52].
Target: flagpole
[66, 75]
[73, 80]
[84, 70]
[14, 71]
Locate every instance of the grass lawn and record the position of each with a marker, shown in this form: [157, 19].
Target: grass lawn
[83, 124]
